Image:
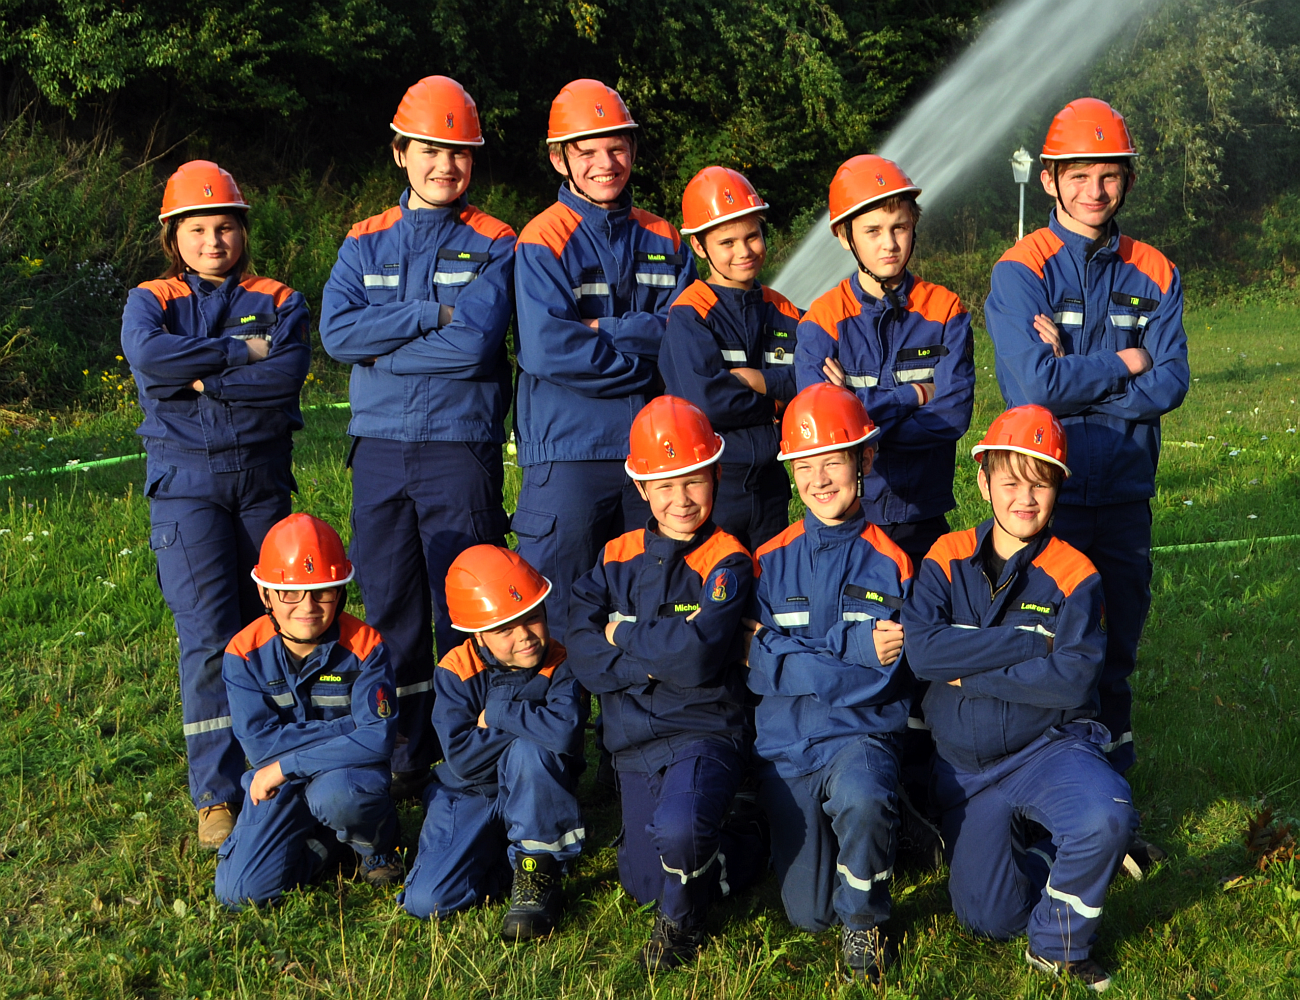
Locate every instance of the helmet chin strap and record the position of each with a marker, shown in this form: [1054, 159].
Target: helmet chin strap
[343, 599]
[892, 298]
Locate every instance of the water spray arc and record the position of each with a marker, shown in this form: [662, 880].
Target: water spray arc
[1032, 48]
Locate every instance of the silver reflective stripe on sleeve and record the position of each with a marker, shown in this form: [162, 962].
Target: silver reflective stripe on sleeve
[660, 280]
[784, 358]
[591, 288]
[914, 723]
[1047, 858]
[864, 884]
[283, 700]
[331, 700]
[206, 726]
[1037, 628]
[454, 277]
[955, 625]
[862, 381]
[914, 375]
[1073, 902]
[1142, 322]
[570, 838]
[1109, 747]
[614, 616]
[857, 616]
[419, 688]
[318, 849]
[733, 355]
[381, 280]
[1073, 318]
[1122, 320]
[791, 619]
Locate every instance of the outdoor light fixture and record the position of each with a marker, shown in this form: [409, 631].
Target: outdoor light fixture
[1021, 161]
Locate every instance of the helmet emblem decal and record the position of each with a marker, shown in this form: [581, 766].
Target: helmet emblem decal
[1100, 135]
[805, 429]
[726, 193]
[515, 593]
[1038, 436]
[207, 190]
[308, 565]
[668, 447]
[451, 120]
[600, 111]
[880, 179]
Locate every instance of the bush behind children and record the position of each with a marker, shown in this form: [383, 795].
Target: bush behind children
[867, 686]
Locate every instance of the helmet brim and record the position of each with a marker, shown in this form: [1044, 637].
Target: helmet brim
[913, 190]
[590, 133]
[1092, 156]
[504, 621]
[437, 140]
[642, 477]
[790, 456]
[207, 209]
[302, 586]
[980, 449]
[725, 218]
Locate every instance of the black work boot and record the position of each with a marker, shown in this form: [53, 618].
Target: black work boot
[534, 898]
[670, 945]
[1086, 971]
[864, 950]
[1141, 857]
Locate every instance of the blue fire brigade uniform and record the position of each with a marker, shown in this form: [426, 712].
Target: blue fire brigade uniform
[504, 791]
[712, 329]
[579, 388]
[1016, 740]
[217, 477]
[1103, 299]
[672, 695]
[827, 724]
[330, 720]
[884, 351]
[429, 402]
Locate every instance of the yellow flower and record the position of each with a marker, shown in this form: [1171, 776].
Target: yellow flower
[120, 358]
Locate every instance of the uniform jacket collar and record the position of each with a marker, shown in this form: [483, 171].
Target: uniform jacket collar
[661, 547]
[737, 296]
[871, 304]
[834, 534]
[1018, 561]
[594, 215]
[432, 216]
[1080, 247]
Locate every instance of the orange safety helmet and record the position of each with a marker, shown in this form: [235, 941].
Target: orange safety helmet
[716, 195]
[1030, 430]
[437, 109]
[200, 185]
[585, 108]
[824, 417]
[670, 437]
[1088, 129]
[865, 179]
[488, 586]
[302, 553]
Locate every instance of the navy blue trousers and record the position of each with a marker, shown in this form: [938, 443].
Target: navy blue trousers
[472, 839]
[834, 832]
[416, 506]
[676, 848]
[1001, 887]
[284, 842]
[1117, 538]
[205, 530]
[567, 511]
[753, 503]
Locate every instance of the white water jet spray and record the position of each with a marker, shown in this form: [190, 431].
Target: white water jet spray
[1031, 50]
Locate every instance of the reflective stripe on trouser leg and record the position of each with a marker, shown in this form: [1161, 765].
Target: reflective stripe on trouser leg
[537, 804]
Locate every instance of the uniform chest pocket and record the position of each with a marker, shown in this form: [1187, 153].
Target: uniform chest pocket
[778, 347]
[733, 355]
[454, 270]
[657, 270]
[1032, 616]
[792, 613]
[382, 282]
[1129, 315]
[592, 293]
[678, 609]
[249, 326]
[858, 604]
[331, 696]
[916, 364]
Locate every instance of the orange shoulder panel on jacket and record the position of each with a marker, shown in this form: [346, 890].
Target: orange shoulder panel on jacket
[464, 661]
[555, 655]
[1065, 564]
[552, 228]
[1148, 260]
[934, 302]
[357, 637]
[699, 296]
[484, 224]
[377, 223]
[717, 548]
[1034, 250]
[835, 306]
[252, 638]
[625, 547]
[780, 541]
[267, 286]
[783, 305]
[656, 225]
[886, 546]
[166, 289]
[951, 547]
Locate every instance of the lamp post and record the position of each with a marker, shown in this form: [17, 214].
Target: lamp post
[1021, 161]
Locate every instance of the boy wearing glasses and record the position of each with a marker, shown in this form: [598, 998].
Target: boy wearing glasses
[312, 705]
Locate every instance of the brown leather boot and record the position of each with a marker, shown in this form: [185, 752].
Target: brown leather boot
[215, 824]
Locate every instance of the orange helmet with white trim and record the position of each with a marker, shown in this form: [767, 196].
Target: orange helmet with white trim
[585, 108]
[1029, 430]
[302, 552]
[824, 417]
[671, 437]
[197, 186]
[716, 195]
[865, 179]
[437, 109]
[1088, 129]
[488, 586]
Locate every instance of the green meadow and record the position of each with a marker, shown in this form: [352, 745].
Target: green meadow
[103, 893]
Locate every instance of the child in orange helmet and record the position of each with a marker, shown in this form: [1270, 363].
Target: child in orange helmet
[313, 706]
[509, 717]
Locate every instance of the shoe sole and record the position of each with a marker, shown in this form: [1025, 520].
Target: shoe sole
[1043, 965]
[1132, 868]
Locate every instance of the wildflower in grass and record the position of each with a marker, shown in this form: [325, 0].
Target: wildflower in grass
[1263, 437]
[125, 552]
[29, 538]
[1252, 517]
[78, 633]
[45, 534]
[1234, 453]
[1187, 503]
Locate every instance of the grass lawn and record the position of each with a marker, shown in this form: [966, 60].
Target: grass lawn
[102, 893]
